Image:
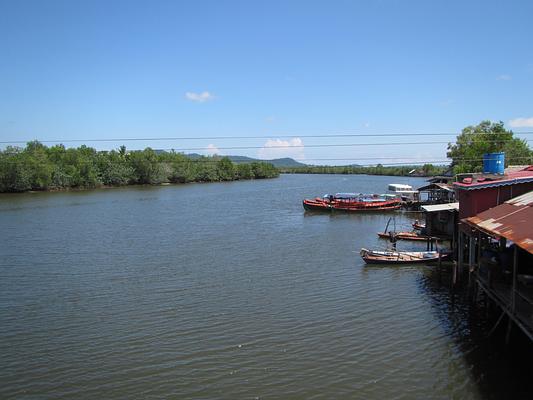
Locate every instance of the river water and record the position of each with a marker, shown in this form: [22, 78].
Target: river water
[220, 291]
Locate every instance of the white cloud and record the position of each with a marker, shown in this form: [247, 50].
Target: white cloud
[504, 77]
[446, 103]
[366, 124]
[277, 148]
[212, 149]
[199, 97]
[521, 123]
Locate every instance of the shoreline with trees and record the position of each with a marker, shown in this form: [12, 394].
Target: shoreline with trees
[40, 168]
[466, 155]
[404, 170]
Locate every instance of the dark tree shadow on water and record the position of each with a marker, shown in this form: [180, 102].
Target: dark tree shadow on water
[479, 330]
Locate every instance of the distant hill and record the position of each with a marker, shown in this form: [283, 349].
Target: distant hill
[277, 162]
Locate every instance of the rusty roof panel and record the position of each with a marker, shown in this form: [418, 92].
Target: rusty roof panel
[512, 220]
[512, 177]
[522, 200]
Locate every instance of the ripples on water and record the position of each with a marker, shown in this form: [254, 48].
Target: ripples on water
[220, 291]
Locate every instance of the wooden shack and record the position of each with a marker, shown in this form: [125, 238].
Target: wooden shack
[441, 220]
[501, 257]
[436, 193]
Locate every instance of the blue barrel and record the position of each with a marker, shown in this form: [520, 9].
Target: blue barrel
[494, 163]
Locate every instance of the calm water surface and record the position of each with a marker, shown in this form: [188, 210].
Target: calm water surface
[210, 291]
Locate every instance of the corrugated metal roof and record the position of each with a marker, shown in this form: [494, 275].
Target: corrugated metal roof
[511, 178]
[525, 199]
[441, 207]
[442, 186]
[512, 220]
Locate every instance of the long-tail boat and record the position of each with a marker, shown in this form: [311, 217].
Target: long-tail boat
[393, 235]
[418, 226]
[352, 202]
[400, 257]
[404, 236]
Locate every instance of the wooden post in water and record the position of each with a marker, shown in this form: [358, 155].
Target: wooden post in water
[460, 253]
[471, 251]
[454, 273]
[515, 272]
[513, 297]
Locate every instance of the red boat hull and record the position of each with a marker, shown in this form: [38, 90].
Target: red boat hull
[319, 204]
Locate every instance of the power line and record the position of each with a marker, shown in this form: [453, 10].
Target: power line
[404, 158]
[173, 150]
[216, 159]
[323, 145]
[320, 145]
[335, 135]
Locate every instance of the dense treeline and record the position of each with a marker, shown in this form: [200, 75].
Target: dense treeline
[38, 167]
[404, 170]
[487, 137]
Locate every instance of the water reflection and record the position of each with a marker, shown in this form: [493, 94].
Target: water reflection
[225, 291]
[479, 330]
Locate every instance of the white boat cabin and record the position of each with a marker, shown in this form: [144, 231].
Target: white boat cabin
[406, 192]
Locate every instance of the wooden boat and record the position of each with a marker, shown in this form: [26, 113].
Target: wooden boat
[399, 257]
[317, 204]
[351, 202]
[418, 226]
[403, 236]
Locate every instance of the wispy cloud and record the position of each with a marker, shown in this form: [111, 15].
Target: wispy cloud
[199, 97]
[277, 148]
[212, 149]
[446, 103]
[504, 77]
[521, 123]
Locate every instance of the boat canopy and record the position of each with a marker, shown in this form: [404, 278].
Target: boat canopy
[401, 188]
[347, 195]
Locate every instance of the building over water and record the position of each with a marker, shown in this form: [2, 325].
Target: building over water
[436, 193]
[495, 239]
[502, 237]
[479, 192]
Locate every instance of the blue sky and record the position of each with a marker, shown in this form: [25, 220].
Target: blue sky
[275, 69]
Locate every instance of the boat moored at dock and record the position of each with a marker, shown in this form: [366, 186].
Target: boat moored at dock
[404, 236]
[400, 257]
[353, 202]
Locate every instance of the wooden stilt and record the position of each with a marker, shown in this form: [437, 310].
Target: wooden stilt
[454, 274]
[508, 333]
[460, 256]
[471, 252]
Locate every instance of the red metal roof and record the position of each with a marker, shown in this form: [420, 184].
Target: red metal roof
[512, 220]
[510, 178]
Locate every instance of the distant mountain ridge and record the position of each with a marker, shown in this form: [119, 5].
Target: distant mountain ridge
[277, 162]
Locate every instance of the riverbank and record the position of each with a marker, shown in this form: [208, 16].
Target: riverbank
[40, 168]
[403, 170]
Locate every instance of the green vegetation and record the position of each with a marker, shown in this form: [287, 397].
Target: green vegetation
[487, 137]
[466, 155]
[404, 170]
[38, 167]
